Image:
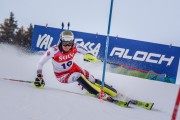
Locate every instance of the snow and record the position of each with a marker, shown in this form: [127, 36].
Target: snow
[22, 101]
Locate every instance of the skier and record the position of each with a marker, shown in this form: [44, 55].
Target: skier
[67, 71]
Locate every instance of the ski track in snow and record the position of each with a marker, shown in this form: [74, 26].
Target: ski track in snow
[22, 101]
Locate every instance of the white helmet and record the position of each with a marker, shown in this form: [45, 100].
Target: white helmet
[66, 38]
[67, 35]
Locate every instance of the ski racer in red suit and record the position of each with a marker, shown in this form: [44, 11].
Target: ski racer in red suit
[65, 69]
[62, 54]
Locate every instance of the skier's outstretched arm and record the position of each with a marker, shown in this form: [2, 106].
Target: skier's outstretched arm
[43, 60]
[89, 57]
[39, 81]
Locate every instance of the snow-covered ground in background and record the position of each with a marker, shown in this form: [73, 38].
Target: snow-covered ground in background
[21, 101]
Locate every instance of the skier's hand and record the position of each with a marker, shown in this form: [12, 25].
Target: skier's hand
[91, 58]
[39, 81]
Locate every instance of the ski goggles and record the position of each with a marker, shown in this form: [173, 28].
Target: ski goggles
[67, 43]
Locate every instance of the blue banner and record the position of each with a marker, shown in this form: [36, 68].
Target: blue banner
[131, 57]
[161, 60]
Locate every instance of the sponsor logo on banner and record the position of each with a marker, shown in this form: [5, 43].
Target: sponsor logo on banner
[90, 46]
[142, 56]
[44, 41]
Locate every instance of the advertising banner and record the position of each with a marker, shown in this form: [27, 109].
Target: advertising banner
[126, 56]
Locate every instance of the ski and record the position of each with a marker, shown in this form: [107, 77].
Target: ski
[121, 103]
[126, 103]
[111, 100]
[145, 105]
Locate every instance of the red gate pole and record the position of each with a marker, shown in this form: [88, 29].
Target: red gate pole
[176, 107]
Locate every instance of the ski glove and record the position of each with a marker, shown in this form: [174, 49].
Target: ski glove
[91, 58]
[39, 82]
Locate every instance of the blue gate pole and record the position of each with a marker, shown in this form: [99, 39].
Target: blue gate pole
[106, 50]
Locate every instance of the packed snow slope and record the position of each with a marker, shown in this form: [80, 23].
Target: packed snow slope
[21, 101]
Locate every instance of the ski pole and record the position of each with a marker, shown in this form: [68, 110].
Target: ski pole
[17, 80]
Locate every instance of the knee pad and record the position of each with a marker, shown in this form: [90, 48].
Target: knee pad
[91, 78]
[74, 77]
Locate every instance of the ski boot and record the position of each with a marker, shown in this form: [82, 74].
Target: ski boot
[108, 98]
